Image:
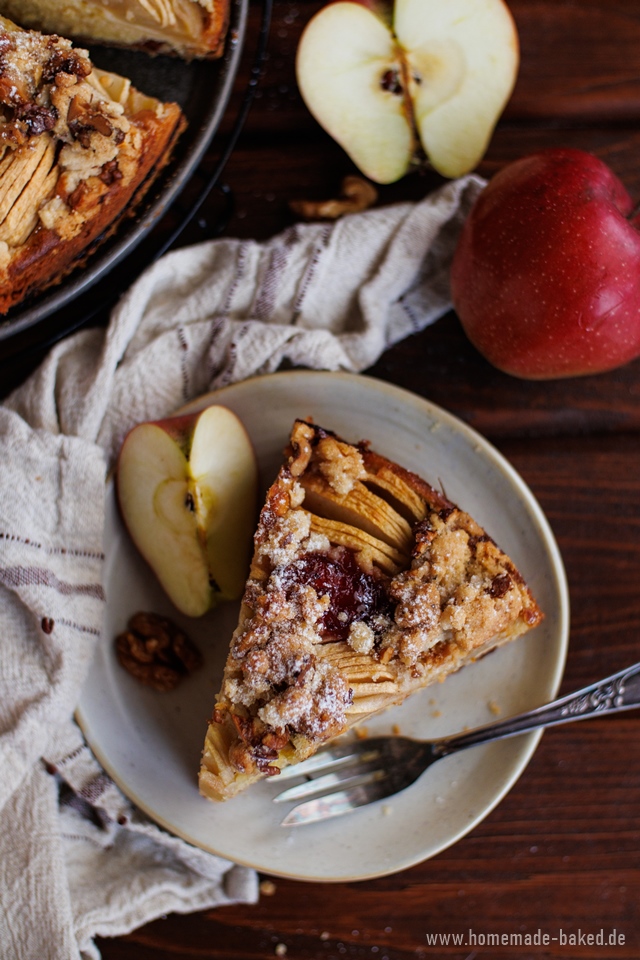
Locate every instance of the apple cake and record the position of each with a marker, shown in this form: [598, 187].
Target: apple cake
[366, 585]
[187, 28]
[78, 148]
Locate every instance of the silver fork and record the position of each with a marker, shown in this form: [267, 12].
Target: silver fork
[345, 776]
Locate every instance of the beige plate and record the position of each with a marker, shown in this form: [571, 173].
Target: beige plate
[150, 743]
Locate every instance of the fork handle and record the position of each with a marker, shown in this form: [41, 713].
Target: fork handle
[620, 691]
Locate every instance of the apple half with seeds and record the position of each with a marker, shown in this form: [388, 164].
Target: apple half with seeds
[430, 75]
[187, 489]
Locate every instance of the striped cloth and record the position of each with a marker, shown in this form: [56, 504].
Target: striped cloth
[76, 859]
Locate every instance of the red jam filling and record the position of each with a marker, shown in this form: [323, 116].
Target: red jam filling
[354, 594]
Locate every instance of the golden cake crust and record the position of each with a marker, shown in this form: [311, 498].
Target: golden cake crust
[78, 149]
[366, 585]
[186, 28]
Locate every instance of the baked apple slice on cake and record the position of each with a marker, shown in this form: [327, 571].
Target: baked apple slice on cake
[188, 28]
[366, 585]
[78, 148]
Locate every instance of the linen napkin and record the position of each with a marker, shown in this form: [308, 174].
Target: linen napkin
[77, 860]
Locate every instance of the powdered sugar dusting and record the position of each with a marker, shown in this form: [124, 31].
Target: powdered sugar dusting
[315, 709]
[361, 637]
[283, 543]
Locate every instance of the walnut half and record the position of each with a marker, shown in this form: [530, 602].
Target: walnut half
[156, 652]
[357, 194]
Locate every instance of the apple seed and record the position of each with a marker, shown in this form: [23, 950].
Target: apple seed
[390, 81]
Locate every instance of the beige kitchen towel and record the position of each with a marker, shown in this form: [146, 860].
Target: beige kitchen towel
[76, 859]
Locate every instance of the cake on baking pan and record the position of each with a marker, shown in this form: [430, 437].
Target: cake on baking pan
[187, 28]
[78, 148]
[366, 585]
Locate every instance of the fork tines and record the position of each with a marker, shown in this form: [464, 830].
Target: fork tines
[332, 757]
[344, 776]
[334, 805]
[356, 766]
[365, 774]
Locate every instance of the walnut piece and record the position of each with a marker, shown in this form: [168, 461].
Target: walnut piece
[156, 652]
[356, 195]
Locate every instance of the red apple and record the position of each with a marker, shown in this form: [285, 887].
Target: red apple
[546, 274]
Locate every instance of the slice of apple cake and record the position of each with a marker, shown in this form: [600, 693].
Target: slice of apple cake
[78, 148]
[366, 585]
[188, 28]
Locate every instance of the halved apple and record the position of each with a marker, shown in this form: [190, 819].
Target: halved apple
[434, 74]
[187, 489]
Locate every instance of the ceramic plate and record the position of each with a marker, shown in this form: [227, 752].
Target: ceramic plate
[150, 743]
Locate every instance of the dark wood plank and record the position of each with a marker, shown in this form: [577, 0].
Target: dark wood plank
[441, 365]
[579, 62]
[561, 851]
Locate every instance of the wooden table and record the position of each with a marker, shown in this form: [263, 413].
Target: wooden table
[561, 850]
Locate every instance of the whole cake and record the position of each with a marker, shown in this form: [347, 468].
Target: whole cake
[366, 585]
[78, 148]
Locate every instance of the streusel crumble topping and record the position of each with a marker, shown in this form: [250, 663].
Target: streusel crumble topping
[321, 625]
[71, 137]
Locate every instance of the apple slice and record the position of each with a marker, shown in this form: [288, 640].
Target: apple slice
[187, 489]
[348, 65]
[439, 77]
